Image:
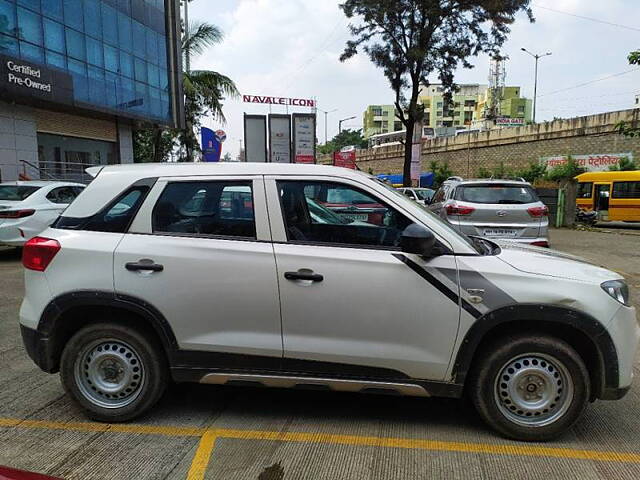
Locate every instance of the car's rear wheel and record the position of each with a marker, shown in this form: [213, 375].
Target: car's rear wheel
[113, 371]
[530, 387]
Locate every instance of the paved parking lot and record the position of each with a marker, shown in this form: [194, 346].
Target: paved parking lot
[224, 433]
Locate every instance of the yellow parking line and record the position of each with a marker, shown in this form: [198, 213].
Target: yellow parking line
[208, 438]
[200, 461]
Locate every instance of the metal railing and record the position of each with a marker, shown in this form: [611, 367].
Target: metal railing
[59, 171]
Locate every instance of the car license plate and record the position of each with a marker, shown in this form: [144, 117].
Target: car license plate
[355, 217]
[500, 232]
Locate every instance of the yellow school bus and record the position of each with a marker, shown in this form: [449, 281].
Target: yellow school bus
[614, 195]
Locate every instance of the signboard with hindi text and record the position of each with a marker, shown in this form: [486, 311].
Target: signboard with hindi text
[597, 162]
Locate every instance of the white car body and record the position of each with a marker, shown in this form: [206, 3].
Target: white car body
[285, 311]
[41, 208]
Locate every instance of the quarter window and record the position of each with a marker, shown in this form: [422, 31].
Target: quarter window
[62, 195]
[626, 190]
[217, 208]
[338, 214]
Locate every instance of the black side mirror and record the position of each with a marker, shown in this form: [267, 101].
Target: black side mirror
[418, 240]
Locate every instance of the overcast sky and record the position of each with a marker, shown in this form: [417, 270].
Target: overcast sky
[290, 48]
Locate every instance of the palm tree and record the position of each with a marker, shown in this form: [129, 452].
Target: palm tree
[204, 90]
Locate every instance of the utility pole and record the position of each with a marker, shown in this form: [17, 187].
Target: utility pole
[340, 123]
[535, 83]
[187, 57]
[325, 121]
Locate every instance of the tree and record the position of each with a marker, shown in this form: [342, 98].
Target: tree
[630, 129]
[411, 39]
[625, 164]
[343, 139]
[204, 92]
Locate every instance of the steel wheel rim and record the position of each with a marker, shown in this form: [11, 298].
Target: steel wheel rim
[533, 390]
[109, 373]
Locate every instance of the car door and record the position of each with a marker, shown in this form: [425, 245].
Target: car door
[351, 301]
[48, 209]
[209, 243]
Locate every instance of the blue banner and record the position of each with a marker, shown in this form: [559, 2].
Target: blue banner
[211, 146]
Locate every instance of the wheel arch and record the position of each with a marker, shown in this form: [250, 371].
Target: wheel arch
[67, 313]
[583, 332]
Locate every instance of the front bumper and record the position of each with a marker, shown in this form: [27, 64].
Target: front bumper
[38, 348]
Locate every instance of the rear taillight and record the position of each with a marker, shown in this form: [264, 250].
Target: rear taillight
[541, 243]
[16, 213]
[455, 209]
[537, 212]
[38, 253]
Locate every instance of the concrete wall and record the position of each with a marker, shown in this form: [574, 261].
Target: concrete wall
[125, 142]
[18, 140]
[516, 147]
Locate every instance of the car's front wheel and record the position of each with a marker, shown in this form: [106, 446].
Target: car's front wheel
[530, 387]
[113, 371]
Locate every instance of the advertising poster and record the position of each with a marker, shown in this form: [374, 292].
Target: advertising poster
[345, 159]
[599, 162]
[255, 138]
[416, 150]
[304, 138]
[211, 145]
[279, 138]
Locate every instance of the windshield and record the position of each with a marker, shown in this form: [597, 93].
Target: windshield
[496, 194]
[446, 225]
[16, 192]
[424, 194]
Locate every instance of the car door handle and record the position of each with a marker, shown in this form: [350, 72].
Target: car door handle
[144, 265]
[303, 275]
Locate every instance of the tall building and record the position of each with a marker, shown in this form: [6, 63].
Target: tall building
[76, 75]
[460, 112]
[511, 105]
[379, 119]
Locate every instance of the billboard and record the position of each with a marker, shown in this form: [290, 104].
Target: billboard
[279, 138]
[211, 145]
[296, 102]
[509, 122]
[255, 138]
[304, 138]
[599, 162]
[346, 159]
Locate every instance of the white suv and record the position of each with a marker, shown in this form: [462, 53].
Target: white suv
[221, 274]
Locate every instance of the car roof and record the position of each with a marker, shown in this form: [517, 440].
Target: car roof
[42, 183]
[171, 169]
[472, 181]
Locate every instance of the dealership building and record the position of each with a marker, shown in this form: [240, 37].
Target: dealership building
[77, 75]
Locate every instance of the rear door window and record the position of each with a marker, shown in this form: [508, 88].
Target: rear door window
[213, 208]
[62, 195]
[496, 194]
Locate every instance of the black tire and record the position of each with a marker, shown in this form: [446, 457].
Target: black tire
[559, 374]
[142, 348]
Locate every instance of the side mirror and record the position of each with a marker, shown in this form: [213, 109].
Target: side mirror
[418, 240]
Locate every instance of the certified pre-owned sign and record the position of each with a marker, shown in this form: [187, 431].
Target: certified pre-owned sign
[27, 79]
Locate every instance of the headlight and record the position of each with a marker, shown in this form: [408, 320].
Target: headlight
[618, 289]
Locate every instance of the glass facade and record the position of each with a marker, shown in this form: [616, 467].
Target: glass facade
[115, 50]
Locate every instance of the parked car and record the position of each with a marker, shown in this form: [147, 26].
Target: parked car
[501, 209]
[172, 287]
[27, 208]
[420, 195]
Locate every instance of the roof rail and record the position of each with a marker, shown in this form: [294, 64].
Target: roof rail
[459, 179]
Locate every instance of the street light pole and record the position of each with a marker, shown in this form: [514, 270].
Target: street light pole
[340, 123]
[535, 83]
[325, 121]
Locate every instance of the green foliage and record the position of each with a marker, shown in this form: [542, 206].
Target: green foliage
[566, 171]
[344, 139]
[625, 164]
[441, 172]
[411, 40]
[530, 173]
[146, 141]
[634, 58]
[626, 128]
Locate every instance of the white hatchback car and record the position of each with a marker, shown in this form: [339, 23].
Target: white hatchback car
[28, 207]
[223, 274]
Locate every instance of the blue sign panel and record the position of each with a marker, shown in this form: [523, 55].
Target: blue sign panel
[211, 146]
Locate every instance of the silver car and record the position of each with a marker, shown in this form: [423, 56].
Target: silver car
[502, 209]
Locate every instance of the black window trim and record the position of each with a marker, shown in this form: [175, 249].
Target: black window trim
[590, 189]
[619, 182]
[248, 181]
[82, 222]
